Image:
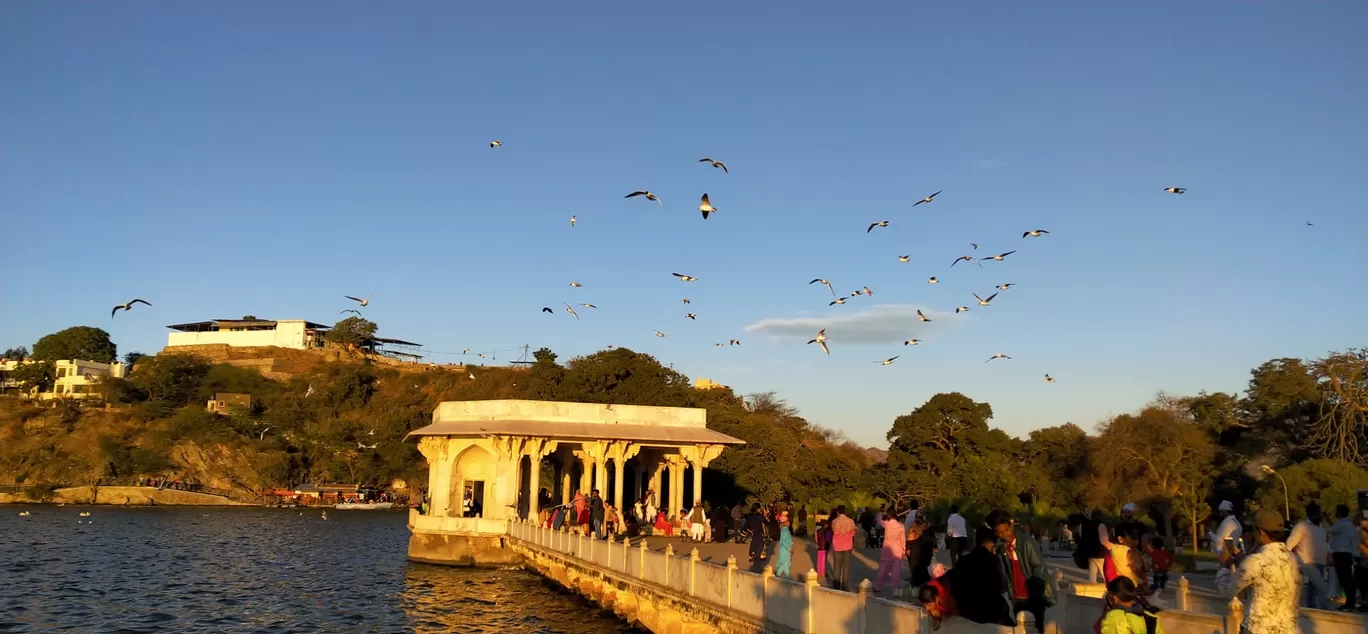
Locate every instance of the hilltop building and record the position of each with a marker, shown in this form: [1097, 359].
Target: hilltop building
[702, 383]
[225, 402]
[75, 378]
[295, 334]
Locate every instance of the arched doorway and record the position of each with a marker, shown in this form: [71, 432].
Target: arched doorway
[472, 483]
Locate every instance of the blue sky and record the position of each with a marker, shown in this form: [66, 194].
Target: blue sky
[220, 160]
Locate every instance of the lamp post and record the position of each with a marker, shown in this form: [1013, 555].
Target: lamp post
[1287, 508]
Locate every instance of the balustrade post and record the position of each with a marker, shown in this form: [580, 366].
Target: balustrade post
[669, 561]
[1236, 616]
[731, 577]
[1183, 599]
[810, 591]
[765, 576]
[693, 570]
[626, 548]
[641, 572]
[1020, 623]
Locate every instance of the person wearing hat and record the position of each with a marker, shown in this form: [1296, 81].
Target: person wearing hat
[1229, 530]
[1271, 572]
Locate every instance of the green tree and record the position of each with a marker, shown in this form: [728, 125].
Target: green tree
[16, 354]
[1324, 481]
[352, 331]
[624, 377]
[1156, 453]
[172, 379]
[77, 342]
[924, 445]
[133, 357]
[544, 355]
[1057, 461]
[35, 375]
[1279, 403]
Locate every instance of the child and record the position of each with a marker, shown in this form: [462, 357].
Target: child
[823, 539]
[936, 599]
[1124, 612]
[1160, 559]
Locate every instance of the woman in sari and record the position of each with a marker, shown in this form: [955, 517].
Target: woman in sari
[662, 525]
[783, 553]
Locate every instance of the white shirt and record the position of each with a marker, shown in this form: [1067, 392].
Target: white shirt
[1230, 528]
[910, 520]
[1307, 542]
[954, 527]
[1272, 571]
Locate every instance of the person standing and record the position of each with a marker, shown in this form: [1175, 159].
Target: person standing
[890, 558]
[783, 549]
[755, 524]
[1093, 544]
[842, 543]
[1030, 586]
[921, 549]
[1344, 544]
[697, 516]
[651, 511]
[979, 583]
[800, 530]
[956, 533]
[596, 513]
[912, 513]
[822, 536]
[1272, 573]
[1308, 543]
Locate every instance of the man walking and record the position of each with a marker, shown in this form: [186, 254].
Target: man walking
[1093, 544]
[1344, 544]
[1307, 542]
[956, 533]
[1272, 573]
[1029, 583]
[596, 513]
[842, 543]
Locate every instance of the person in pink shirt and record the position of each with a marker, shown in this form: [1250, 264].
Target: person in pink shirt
[842, 543]
[890, 559]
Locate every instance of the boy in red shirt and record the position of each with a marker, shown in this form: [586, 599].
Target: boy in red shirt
[1160, 561]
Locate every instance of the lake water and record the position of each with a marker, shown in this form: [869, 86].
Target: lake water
[151, 570]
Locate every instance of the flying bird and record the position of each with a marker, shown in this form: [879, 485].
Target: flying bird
[1308, 223]
[1176, 190]
[685, 300]
[888, 361]
[921, 316]
[350, 310]
[867, 292]
[495, 143]
[658, 333]
[822, 281]
[545, 309]
[904, 258]
[572, 221]
[820, 340]
[648, 195]
[714, 163]
[932, 281]
[997, 356]
[576, 284]
[720, 345]
[589, 306]
[1000, 256]
[571, 310]
[691, 316]
[467, 350]
[685, 278]
[961, 309]
[982, 301]
[1003, 287]
[127, 306]
[734, 342]
[926, 200]
[363, 446]
[838, 300]
[965, 258]
[1034, 233]
[706, 207]
[881, 223]
[363, 302]
[1049, 379]
[911, 342]
[974, 244]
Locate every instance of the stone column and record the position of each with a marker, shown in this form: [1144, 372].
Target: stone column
[676, 486]
[601, 477]
[534, 484]
[655, 483]
[639, 482]
[504, 502]
[698, 481]
[567, 465]
[434, 449]
[617, 484]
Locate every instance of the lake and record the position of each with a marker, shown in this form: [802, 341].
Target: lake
[184, 569]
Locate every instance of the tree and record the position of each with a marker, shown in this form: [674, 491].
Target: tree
[544, 355]
[132, 358]
[15, 354]
[35, 375]
[1057, 461]
[624, 377]
[352, 331]
[77, 342]
[172, 379]
[1279, 403]
[249, 318]
[1155, 452]
[1340, 427]
[1324, 481]
[925, 445]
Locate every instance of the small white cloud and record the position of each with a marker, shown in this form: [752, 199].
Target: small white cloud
[884, 323]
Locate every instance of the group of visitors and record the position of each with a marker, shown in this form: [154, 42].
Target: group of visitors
[1341, 549]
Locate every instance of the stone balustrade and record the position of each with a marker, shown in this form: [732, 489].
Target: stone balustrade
[1199, 613]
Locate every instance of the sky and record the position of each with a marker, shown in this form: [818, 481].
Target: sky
[221, 159]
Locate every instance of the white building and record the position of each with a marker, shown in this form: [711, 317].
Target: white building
[285, 333]
[75, 379]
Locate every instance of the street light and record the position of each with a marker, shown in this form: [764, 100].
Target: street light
[1287, 508]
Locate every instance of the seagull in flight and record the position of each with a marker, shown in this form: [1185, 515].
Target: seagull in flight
[589, 306]
[1308, 223]
[1000, 256]
[545, 309]
[1049, 379]
[1176, 190]
[838, 300]
[685, 300]
[350, 310]
[706, 207]
[363, 302]
[904, 258]
[495, 143]
[571, 310]
[961, 309]
[1003, 287]
[691, 316]
[932, 281]
[822, 281]
[648, 195]
[362, 446]
[720, 345]
[911, 342]
[714, 163]
[997, 356]
[965, 258]
[658, 333]
[820, 340]
[888, 361]
[867, 292]
[921, 316]
[881, 223]
[974, 244]
[734, 342]
[576, 284]
[1034, 233]
[984, 302]
[127, 306]
[927, 199]
[572, 220]
[685, 278]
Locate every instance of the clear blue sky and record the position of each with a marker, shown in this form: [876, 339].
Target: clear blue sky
[265, 158]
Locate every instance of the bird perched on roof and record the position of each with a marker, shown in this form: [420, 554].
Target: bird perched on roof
[911, 342]
[691, 316]
[576, 284]
[1049, 379]
[1176, 190]
[838, 300]
[1000, 256]
[706, 207]
[881, 223]
[572, 312]
[921, 316]
[926, 200]
[888, 361]
[715, 163]
[1034, 233]
[904, 258]
[820, 340]
[648, 195]
[363, 302]
[964, 258]
[961, 309]
[1003, 287]
[734, 342]
[982, 301]
[933, 280]
[997, 356]
[822, 281]
[685, 278]
[495, 143]
[127, 306]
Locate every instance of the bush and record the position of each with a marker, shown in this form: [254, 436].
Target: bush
[40, 492]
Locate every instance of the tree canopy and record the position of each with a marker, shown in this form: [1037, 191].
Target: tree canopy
[15, 354]
[352, 331]
[85, 343]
